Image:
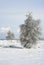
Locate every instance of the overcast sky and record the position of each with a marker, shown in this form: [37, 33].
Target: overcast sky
[12, 13]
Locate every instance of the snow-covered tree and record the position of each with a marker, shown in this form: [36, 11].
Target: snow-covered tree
[10, 36]
[29, 32]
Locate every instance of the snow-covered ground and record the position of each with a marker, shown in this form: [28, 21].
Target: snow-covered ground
[12, 56]
[9, 42]
[15, 56]
[17, 43]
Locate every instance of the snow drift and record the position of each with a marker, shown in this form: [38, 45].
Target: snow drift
[17, 43]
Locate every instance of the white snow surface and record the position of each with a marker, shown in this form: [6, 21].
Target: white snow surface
[40, 43]
[15, 56]
[10, 42]
[12, 56]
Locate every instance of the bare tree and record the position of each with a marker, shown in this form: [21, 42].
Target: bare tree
[30, 31]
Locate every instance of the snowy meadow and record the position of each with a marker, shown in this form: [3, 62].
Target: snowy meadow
[15, 56]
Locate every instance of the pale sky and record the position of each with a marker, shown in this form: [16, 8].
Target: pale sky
[12, 13]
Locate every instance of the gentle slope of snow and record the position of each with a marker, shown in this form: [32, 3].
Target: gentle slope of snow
[15, 56]
[12, 56]
[40, 43]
